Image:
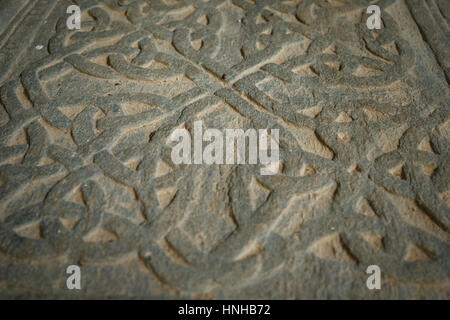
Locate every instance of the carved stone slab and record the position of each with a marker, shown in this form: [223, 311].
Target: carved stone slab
[86, 176]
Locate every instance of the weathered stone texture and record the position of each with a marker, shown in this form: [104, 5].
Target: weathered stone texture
[86, 175]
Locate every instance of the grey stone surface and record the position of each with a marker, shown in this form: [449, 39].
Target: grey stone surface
[86, 175]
